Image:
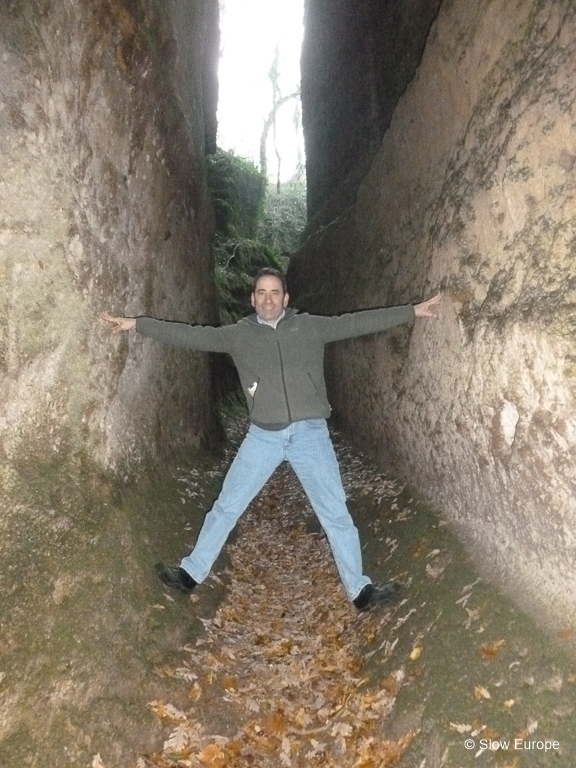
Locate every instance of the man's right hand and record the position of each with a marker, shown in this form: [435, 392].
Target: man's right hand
[119, 324]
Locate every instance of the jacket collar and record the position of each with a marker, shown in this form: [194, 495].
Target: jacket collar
[288, 313]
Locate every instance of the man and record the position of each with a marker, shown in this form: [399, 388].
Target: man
[279, 355]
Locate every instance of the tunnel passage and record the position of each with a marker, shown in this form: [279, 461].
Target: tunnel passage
[441, 152]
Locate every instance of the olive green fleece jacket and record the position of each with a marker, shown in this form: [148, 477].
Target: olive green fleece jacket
[281, 370]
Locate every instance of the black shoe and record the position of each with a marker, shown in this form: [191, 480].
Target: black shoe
[176, 578]
[371, 595]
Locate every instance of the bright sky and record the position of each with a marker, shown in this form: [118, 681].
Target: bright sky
[250, 32]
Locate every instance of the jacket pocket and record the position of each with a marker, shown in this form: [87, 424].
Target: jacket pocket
[322, 398]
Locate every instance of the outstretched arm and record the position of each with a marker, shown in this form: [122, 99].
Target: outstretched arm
[368, 321]
[119, 324]
[425, 309]
[202, 338]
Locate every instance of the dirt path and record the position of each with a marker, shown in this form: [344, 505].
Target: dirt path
[278, 677]
[288, 673]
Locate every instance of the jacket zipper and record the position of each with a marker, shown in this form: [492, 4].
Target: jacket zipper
[284, 380]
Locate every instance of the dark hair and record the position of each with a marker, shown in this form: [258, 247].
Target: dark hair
[269, 272]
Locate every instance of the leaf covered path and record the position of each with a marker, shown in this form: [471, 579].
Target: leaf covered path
[277, 678]
[288, 673]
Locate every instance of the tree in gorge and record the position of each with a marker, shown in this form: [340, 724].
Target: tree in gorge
[284, 215]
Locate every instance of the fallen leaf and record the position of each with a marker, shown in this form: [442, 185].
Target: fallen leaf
[553, 683]
[491, 650]
[276, 723]
[317, 749]
[178, 740]
[166, 711]
[531, 726]
[416, 653]
[251, 704]
[473, 615]
[393, 682]
[286, 746]
[229, 683]
[195, 692]
[477, 728]
[434, 572]
[469, 587]
[481, 693]
[460, 727]
[418, 550]
[341, 729]
[212, 755]
[183, 673]
[566, 633]
[464, 600]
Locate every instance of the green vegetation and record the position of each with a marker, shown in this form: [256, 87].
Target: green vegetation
[238, 189]
[255, 228]
[284, 217]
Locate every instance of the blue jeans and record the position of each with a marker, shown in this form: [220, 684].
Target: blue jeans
[306, 445]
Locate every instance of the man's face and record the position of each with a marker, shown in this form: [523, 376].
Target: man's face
[269, 298]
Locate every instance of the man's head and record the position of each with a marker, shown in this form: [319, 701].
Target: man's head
[269, 294]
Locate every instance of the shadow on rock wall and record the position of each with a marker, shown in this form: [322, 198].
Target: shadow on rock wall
[472, 192]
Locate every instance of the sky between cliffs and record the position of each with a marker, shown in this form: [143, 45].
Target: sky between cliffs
[250, 32]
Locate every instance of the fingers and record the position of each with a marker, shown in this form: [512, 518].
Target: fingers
[431, 304]
[116, 322]
[425, 309]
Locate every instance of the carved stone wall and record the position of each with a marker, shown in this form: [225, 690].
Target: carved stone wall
[472, 192]
[103, 207]
[106, 109]
[357, 59]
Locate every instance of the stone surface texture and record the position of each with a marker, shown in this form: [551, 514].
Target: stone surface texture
[104, 207]
[106, 110]
[472, 192]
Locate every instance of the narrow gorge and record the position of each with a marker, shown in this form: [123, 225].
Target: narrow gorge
[440, 156]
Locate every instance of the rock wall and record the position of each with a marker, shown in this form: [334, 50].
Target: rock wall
[472, 192]
[106, 110]
[103, 207]
[357, 59]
